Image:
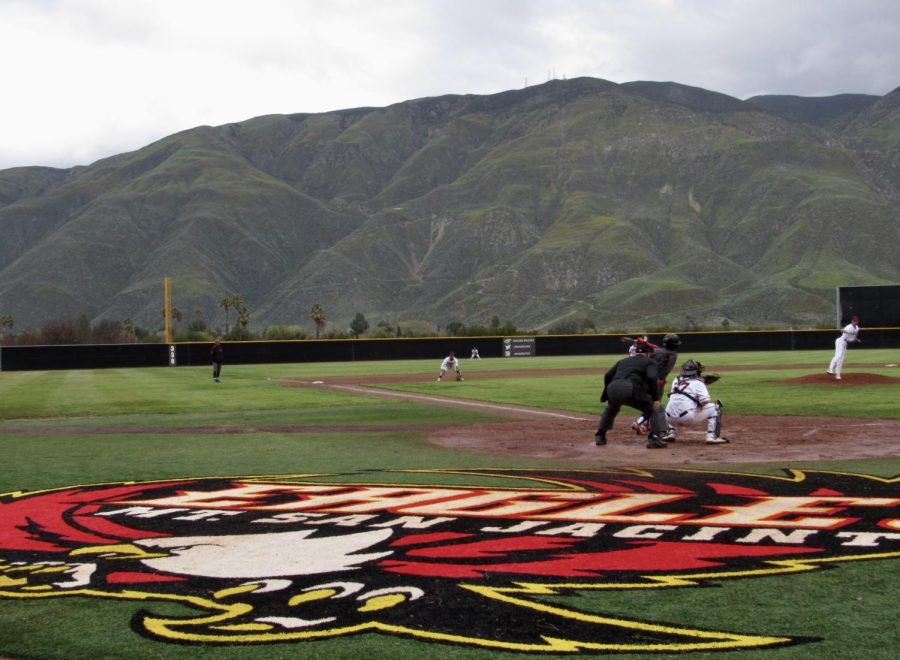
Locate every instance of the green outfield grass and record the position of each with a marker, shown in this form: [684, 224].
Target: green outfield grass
[62, 428]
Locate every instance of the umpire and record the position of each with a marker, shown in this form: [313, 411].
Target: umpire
[634, 382]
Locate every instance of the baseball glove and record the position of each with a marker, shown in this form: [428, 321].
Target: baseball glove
[709, 379]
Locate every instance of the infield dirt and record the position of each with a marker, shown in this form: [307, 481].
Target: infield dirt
[563, 435]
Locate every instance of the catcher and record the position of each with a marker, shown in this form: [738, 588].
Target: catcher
[450, 363]
[690, 402]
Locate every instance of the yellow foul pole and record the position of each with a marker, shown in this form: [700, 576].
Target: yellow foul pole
[167, 285]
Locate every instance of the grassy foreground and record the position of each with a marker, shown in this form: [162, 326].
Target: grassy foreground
[81, 427]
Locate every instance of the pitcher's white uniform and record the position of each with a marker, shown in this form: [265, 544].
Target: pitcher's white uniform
[689, 403]
[849, 335]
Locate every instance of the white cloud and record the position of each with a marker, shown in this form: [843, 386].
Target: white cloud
[85, 79]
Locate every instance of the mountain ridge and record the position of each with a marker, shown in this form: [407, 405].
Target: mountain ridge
[640, 203]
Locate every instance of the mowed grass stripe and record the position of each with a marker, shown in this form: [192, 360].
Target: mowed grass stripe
[147, 391]
[28, 392]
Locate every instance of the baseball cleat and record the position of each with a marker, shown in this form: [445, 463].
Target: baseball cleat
[654, 442]
[829, 372]
[600, 438]
[636, 427]
[713, 440]
[669, 436]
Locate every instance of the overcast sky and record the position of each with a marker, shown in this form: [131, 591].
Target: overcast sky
[86, 79]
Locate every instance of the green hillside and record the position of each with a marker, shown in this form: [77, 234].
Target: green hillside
[636, 204]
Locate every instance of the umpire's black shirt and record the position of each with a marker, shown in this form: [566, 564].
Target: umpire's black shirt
[640, 370]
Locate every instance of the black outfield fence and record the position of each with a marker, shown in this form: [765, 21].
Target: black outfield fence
[82, 356]
[29, 358]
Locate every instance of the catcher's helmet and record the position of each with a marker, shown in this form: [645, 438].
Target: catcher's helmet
[691, 369]
[671, 340]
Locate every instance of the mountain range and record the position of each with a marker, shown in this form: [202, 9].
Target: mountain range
[635, 205]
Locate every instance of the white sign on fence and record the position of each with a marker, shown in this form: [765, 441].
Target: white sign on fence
[518, 347]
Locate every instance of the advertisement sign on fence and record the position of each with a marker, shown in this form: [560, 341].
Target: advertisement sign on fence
[519, 347]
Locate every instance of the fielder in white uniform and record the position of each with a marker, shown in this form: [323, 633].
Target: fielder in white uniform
[849, 335]
[690, 403]
[450, 363]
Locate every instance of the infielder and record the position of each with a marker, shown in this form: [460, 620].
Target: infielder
[690, 402]
[849, 335]
[450, 363]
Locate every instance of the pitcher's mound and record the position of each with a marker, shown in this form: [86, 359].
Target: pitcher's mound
[846, 380]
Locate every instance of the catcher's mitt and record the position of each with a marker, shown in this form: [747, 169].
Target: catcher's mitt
[709, 379]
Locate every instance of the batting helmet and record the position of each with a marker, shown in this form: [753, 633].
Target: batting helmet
[671, 340]
[691, 369]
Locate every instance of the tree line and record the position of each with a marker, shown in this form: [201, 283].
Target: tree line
[237, 318]
[106, 331]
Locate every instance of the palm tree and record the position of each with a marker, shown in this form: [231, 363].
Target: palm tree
[226, 304]
[130, 329]
[317, 314]
[240, 306]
